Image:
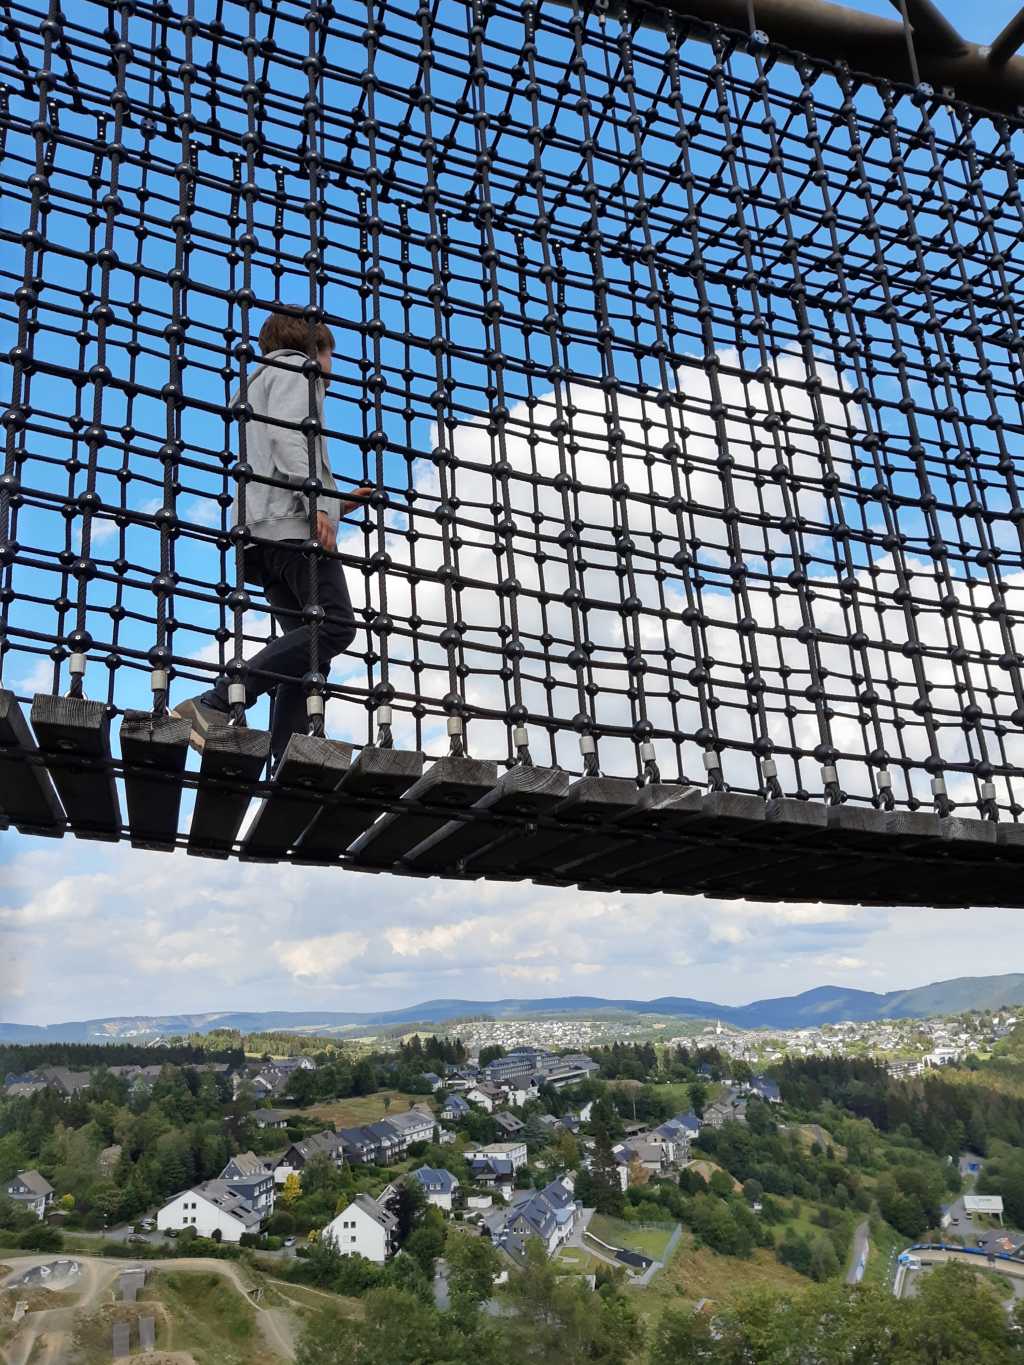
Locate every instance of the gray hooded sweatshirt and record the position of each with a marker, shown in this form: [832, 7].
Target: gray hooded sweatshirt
[279, 393]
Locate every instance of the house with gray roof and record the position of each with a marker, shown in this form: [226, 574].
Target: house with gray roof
[253, 1178]
[551, 1215]
[455, 1108]
[31, 1190]
[412, 1125]
[438, 1185]
[508, 1124]
[295, 1157]
[212, 1208]
[364, 1228]
[271, 1118]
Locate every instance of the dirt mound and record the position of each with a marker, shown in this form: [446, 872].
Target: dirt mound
[38, 1300]
[93, 1330]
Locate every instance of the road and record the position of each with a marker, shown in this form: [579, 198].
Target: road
[1012, 1270]
[859, 1254]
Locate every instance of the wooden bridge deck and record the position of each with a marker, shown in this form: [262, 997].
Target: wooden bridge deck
[384, 810]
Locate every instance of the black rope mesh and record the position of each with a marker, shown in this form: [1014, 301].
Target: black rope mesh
[688, 376]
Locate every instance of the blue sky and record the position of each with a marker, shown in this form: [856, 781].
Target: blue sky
[92, 930]
[978, 23]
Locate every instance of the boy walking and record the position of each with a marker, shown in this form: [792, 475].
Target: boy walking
[277, 518]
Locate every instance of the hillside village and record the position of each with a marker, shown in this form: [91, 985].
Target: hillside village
[483, 1123]
[629, 1168]
[907, 1046]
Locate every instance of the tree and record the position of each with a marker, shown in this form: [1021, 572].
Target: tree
[473, 1265]
[302, 1087]
[683, 1337]
[319, 1176]
[408, 1205]
[824, 1261]
[698, 1097]
[291, 1189]
[426, 1241]
[405, 1272]
[42, 1237]
[397, 1328]
[568, 1151]
[605, 1184]
[490, 1053]
[13, 1155]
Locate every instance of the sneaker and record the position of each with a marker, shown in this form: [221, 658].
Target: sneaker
[202, 717]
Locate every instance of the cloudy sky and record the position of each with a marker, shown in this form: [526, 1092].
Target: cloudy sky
[88, 930]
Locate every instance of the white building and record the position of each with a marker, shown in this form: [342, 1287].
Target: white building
[215, 1206]
[413, 1125]
[31, 1190]
[363, 1229]
[438, 1185]
[485, 1098]
[513, 1152]
[989, 1204]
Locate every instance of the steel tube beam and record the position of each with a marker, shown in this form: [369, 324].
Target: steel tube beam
[1007, 43]
[869, 44]
[931, 27]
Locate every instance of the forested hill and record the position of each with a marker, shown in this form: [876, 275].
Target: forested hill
[823, 1005]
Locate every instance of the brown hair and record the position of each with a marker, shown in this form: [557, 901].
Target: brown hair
[287, 330]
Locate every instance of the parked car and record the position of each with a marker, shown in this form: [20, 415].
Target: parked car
[289, 1241]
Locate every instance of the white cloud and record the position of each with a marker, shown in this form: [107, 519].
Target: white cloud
[88, 930]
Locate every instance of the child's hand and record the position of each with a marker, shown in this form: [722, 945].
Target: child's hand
[356, 498]
[325, 532]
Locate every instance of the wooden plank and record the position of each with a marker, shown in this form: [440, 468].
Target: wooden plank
[310, 768]
[74, 740]
[153, 745]
[575, 829]
[27, 795]
[449, 784]
[522, 793]
[377, 778]
[662, 810]
[233, 759]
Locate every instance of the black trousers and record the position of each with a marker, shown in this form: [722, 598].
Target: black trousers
[283, 571]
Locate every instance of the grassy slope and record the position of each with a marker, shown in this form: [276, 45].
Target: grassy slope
[631, 1236]
[699, 1273]
[363, 1108]
[210, 1319]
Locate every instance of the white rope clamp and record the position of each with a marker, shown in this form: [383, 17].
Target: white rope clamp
[588, 745]
[711, 760]
[520, 736]
[455, 725]
[829, 774]
[314, 704]
[647, 754]
[76, 664]
[938, 786]
[884, 779]
[159, 679]
[383, 715]
[236, 693]
[769, 768]
[988, 791]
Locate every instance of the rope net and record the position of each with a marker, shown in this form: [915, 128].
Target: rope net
[687, 374]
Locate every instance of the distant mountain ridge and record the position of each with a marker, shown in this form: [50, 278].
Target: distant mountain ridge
[822, 1005]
